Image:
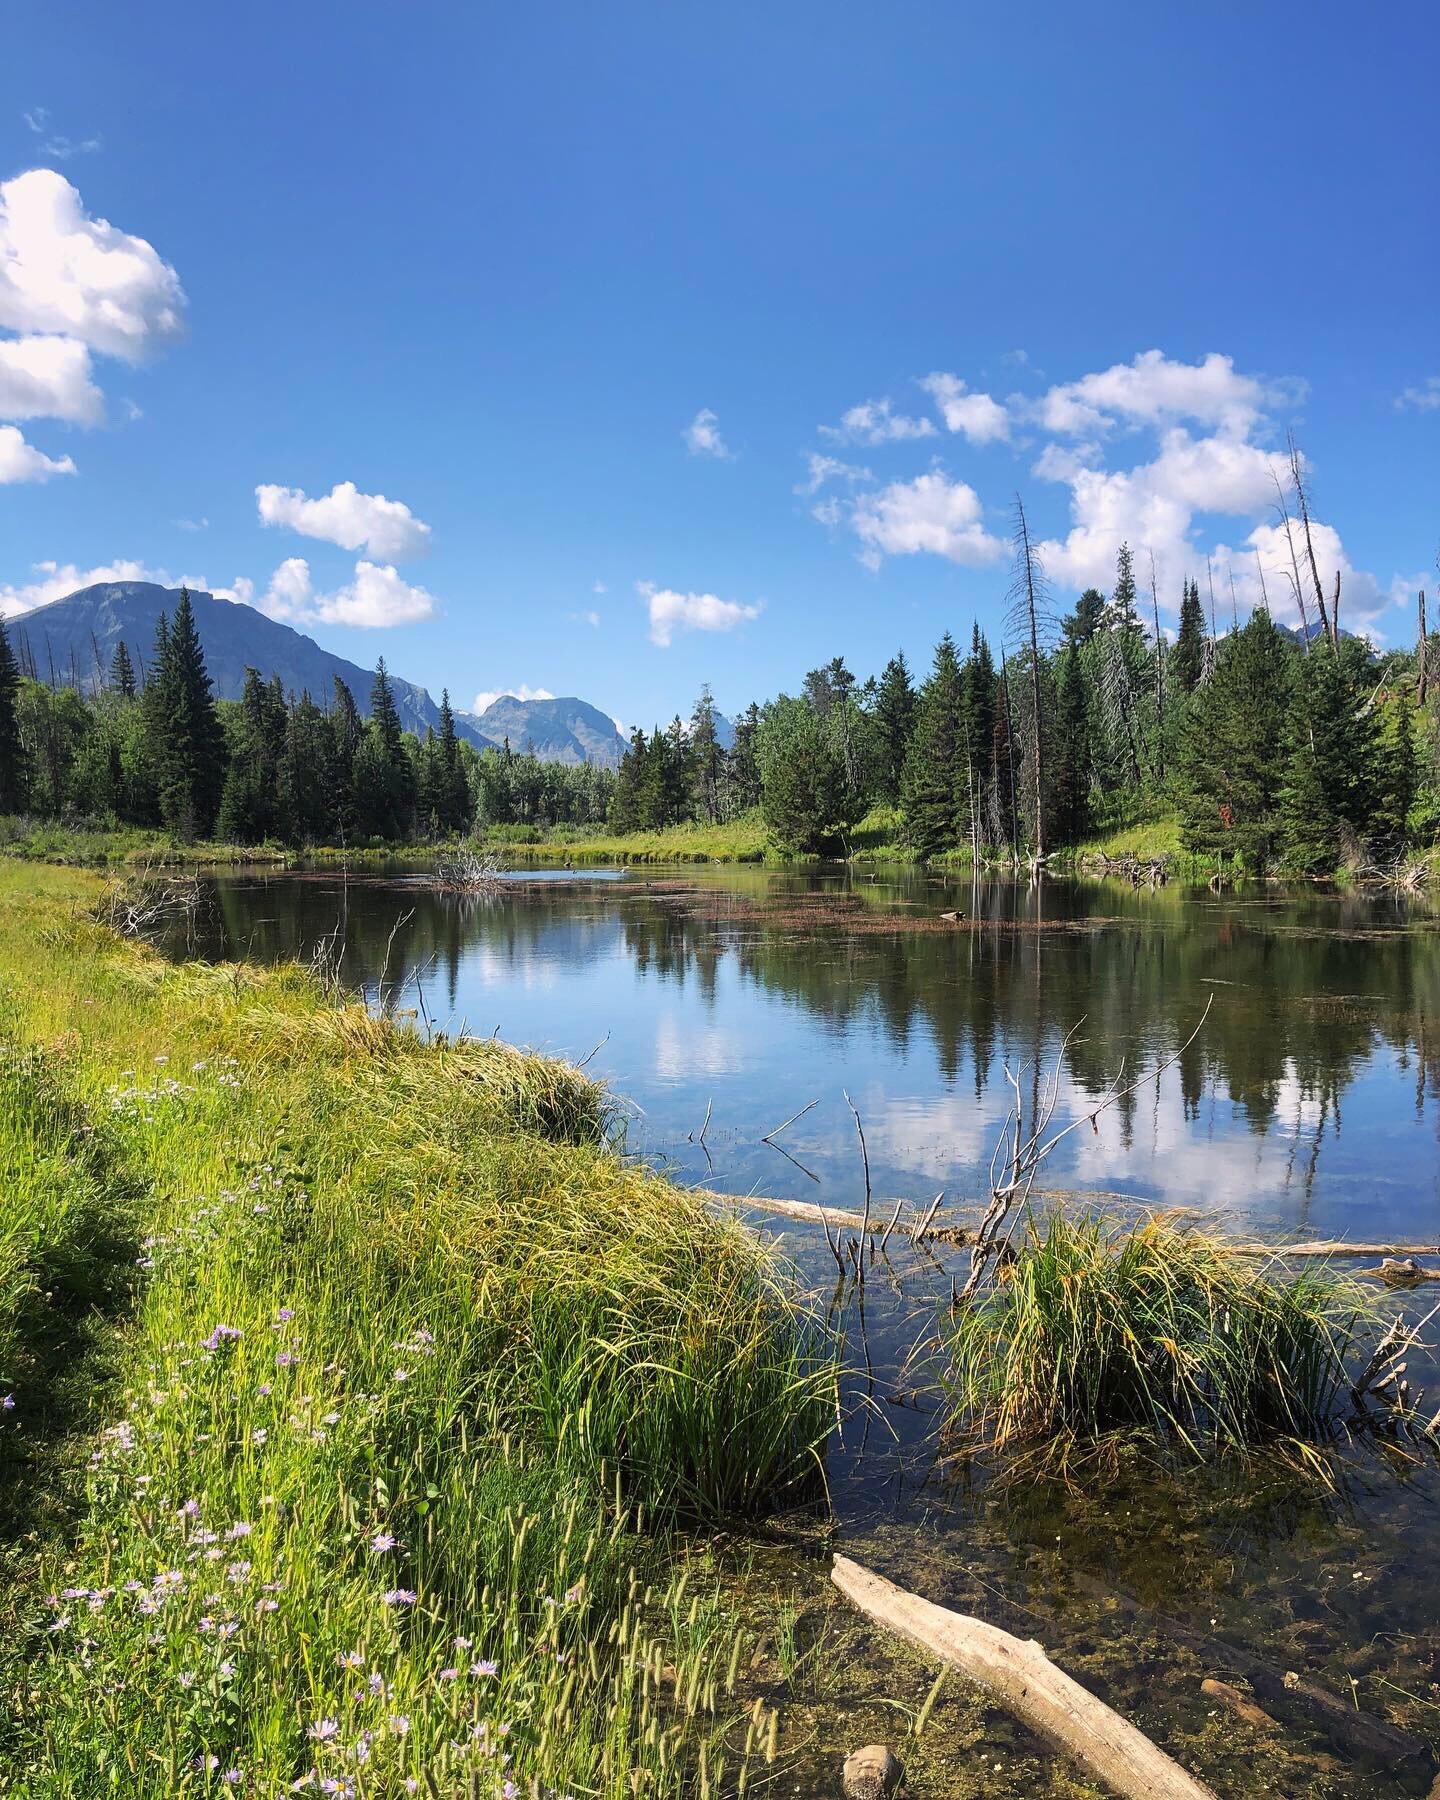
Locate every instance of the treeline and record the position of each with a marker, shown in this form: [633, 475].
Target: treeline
[1274, 748]
[270, 766]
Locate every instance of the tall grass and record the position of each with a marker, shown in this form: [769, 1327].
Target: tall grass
[417, 1373]
[1089, 1331]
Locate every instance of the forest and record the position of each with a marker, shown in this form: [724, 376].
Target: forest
[1301, 750]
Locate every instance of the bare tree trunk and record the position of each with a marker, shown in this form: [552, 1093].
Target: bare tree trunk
[1159, 674]
[1335, 611]
[1010, 755]
[1294, 578]
[1326, 624]
[1029, 555]
[1422, 649]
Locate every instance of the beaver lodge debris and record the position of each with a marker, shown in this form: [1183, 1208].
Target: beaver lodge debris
[467, 872]
[1025, 1681]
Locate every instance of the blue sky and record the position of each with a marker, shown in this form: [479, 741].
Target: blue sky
[584, 289]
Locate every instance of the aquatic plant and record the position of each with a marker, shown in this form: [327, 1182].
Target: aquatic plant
[1089, 1329]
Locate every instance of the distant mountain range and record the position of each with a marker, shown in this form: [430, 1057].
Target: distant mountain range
[73, 641]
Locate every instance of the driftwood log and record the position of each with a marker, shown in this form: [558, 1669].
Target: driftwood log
[1358, 1733]
[1025, 1681]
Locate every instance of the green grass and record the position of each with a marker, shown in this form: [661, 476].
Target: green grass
[397, 1370]
[1145, 839]
[1089, 1331]
[741, 840]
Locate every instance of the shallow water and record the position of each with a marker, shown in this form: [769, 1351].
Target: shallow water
[1308, 1106]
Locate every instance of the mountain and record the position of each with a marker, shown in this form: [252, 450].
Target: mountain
[565, 730]
[73, 640]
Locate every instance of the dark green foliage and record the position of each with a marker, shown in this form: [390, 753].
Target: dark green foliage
[1332, 776]
[936, 784]
[808, 796]
[122, 672]
[1070, 750]
[14, 771]
[895, 708]
[185, 744]
[1232, 763]
[1187, 660]
[707, 759]
[1084, 622]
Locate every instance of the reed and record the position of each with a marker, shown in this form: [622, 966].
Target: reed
[1090, 1330]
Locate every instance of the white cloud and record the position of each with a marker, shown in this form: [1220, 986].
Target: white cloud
[48, 378]
[192, 524]
[1153, 390]
[873, 422]
[976, 417]
[599, 588]
[702, 435]
[671, 611]
[20, 461]
[56, 143]
[484, 701]
[829, 468]
[61, 271]
[930, 513]
[376, 599]
[345, 516]
[1425, 397]
[56, 580]
[590, 617]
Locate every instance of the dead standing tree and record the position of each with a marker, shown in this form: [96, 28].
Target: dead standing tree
[1159, 673]
[1328, 622]
[1029, 611]
[1023, 1145]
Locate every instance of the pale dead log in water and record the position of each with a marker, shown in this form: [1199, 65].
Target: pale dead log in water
[1025, 1681]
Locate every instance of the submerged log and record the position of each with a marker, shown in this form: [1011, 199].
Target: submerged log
[808, 1213]
[1025, 1681]
[1359, 1734]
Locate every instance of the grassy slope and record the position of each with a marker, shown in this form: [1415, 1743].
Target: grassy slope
[391, 1302]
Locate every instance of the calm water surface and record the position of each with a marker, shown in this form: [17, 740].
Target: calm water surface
[1308, 1106]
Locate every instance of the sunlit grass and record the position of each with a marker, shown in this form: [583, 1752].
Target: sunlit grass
[416, 1372]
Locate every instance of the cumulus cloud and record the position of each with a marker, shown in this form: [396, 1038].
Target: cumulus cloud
[345, 516]
[53, 581]
[20, 461]
[1153, 390]
[874, 422]
[671, 612]
[702, 435]
[977, 417]
[1424, 397]
[829, 468]
[930, 514]
[375, 600]
[62, 271]
[484, 701]
[48, 378]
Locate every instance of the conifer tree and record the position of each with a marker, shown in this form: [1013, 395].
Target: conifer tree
[305, 790]
[742, 770]
[188, 746]
[1233, 761]
[1070, 756]
[935, 786]
[895, 707]
[706, 757]
[1081, 625]
[14, 765]
[1187, 661]
[455, 810]
[122, 671]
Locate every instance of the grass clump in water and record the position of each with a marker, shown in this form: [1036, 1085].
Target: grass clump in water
[1089, 1331]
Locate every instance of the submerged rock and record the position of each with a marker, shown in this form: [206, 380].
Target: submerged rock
[873, 1773]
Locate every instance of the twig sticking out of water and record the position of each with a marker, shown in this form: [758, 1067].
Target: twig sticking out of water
[894, 1219]
[770, 1136]
[865, 1162]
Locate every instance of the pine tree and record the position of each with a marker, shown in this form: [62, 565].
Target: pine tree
[742, 769]
[1070, 760]
[189, 746]
[346, 728]
[706, 757]
[895, 708]
[455, 808]
[1082, 624]
[248, 804]
[306, 796]
[1187, 660]
[14, 764]
[624, 814]
[1332, 774]
[384, 774]
[936, 771]
[1233, 761]
[122, 671]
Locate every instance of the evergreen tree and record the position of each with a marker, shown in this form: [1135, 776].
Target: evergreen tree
[455, 809]
[14, 764]
[895, 708]
[806, 794]
[1187, 660]
[188, 746]
[1233, 762]
[936, 770]
[305, 790]
[346, 728]
[625, 801]
[1070, 795]
[1080, 626]
[1333, 768]
[249, 810]
[742, 769]
[706, 758]
[384, 774]
[122, 671]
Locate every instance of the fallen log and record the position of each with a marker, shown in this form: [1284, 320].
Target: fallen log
[808, 1213]
[1025, 1681]
[1358, 1733]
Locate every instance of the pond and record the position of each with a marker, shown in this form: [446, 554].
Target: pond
[719, 1003]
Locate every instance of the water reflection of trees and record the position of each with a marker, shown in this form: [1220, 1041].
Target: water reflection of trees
[1304, 985]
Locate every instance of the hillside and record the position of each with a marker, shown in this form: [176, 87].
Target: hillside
[73, 641]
